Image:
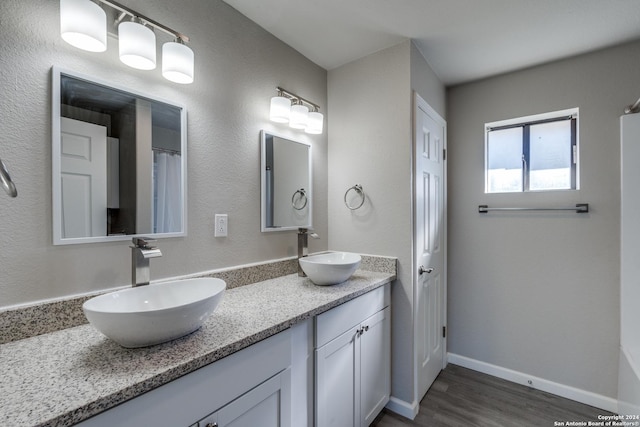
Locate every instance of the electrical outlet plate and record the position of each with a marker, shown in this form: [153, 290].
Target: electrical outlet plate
[221, 224]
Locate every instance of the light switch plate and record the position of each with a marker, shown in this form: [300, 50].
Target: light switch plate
[221, 225]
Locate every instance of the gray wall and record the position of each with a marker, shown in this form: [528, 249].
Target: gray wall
[426, 83]
[539, 292]
[370, 144]
[237, 66]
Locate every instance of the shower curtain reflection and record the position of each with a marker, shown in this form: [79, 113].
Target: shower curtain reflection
[167, 214]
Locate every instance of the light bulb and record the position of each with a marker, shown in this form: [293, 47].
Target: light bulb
[83, 24]
[280, 109]
[137, 45]
[299, 116]
[315, 123]
[177, 62]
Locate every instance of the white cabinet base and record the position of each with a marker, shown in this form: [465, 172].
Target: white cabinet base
[353, 369]
[186, 400]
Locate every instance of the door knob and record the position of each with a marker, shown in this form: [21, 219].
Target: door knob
[422, 269]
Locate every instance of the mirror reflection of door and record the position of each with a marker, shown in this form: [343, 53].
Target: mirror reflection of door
[119, 162]
[83, 155]
[291, 172]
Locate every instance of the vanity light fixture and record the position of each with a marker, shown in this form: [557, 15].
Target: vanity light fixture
[299, 115]
[83, 25]
[280, 108]
[177, 62]
[287, 107]
[315, 122]
[137, 45]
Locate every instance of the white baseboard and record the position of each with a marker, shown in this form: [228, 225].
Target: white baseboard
[579, 395]
[400, 407]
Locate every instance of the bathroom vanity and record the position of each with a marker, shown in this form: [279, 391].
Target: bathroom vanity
[353, 357]
[263, 355]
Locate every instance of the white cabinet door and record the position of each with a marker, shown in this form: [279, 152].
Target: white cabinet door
[338, 381]
[353, 374]
[266, 406]
[353, 370]
[375, 356]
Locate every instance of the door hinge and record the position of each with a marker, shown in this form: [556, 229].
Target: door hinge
[444, 332]
[444, 154]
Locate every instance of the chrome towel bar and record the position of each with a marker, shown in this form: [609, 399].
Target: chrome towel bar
[579, 208]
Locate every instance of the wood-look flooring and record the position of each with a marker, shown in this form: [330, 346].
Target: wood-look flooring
[462, 397]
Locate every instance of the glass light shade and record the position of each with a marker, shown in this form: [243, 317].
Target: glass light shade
[280, 109]
[299, 116]
[177, 63]
[83, 24]
[137, 45]
[315, 122]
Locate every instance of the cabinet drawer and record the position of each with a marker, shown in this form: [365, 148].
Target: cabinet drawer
[267, 405]
[342, 318]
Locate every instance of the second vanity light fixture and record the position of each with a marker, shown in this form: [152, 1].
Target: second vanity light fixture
[83, 24]
[287, 107]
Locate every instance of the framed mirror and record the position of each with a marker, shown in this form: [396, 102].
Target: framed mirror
[118, 161]
[287, 199]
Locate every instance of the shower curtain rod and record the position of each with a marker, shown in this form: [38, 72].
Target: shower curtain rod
[633, 108]
[165, 150]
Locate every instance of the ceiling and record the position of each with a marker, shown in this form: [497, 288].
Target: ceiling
[462, 40]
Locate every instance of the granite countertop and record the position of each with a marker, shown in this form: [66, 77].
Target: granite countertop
[64, 377]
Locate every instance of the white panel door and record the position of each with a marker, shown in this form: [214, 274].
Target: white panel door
[429, 226]
[375, 359]
[83, 166]
[338, 381]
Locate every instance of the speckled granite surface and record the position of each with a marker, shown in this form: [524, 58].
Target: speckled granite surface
[64, 377]
[29, 321]
[380, 264]
[43, 318]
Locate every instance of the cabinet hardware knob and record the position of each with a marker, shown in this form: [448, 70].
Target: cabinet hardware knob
[366, 328]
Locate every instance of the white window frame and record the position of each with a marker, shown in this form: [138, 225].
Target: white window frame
[572, 112]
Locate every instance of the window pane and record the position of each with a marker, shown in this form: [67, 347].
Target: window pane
[504, 160]
[550, 156]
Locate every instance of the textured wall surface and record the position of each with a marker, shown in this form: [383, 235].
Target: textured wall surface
[371, 144]
[237, 66]
[539, 292]
[426, 82]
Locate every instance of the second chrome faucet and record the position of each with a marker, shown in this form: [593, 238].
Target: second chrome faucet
[303, 242]
[141, 253]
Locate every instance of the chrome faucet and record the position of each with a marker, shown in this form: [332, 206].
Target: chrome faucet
[303, 242]
[141, 252]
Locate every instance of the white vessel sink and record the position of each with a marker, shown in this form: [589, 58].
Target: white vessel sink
[330, 268]
[156, 313]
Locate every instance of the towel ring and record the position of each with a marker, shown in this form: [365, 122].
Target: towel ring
[358, 189]
[303, 195]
